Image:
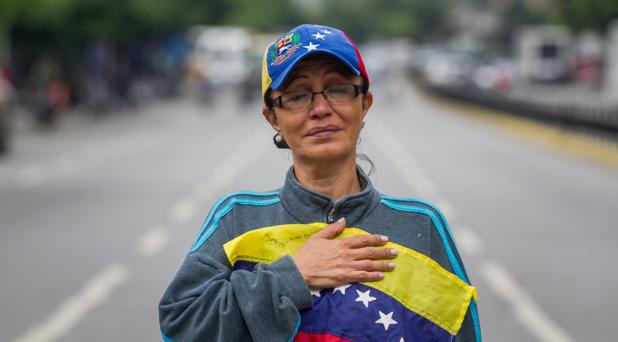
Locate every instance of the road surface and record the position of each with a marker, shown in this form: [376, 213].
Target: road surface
[96, 217]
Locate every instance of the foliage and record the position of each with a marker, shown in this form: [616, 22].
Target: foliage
[394, 18]
[69, 24]
[264, 15]
[578, 15]
[76, 22]
[589, 14]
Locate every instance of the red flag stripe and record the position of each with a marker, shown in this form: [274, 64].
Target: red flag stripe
[306, 337]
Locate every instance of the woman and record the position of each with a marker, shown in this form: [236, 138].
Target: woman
[326, 257]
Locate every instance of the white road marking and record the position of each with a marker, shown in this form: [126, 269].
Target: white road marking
[526, 310]
[468, 241]
[446, 208]
[230, 168]
[93, 294]
[393, 149]
[183, 211]
[30, 177]
[68, 164]
[153, 241]
[65, 166]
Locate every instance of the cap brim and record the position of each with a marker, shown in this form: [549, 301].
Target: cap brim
[279, 81]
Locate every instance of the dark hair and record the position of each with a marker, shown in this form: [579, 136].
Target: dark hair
[361, 157]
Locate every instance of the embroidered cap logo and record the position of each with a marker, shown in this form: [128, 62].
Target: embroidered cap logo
[285, 48]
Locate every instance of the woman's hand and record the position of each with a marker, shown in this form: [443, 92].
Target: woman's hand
[326, 262]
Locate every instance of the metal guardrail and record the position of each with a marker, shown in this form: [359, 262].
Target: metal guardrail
[599, 116]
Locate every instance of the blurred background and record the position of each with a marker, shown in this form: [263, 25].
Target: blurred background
[123, 121]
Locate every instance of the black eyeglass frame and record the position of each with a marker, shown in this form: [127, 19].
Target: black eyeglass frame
[277, 102]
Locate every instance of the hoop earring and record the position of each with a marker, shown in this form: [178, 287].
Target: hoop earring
[280, 142]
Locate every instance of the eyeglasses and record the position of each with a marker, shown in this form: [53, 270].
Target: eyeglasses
[335, 95]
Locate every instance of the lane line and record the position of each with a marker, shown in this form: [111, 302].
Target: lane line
[393, 149]
[183, 211]
[230, 168]
[75, 308]
[446, 208]
[153, 241]
[526, 310]
[65, 166]
[30, 177]
[221, 177]
[468, 241]
[68, 164]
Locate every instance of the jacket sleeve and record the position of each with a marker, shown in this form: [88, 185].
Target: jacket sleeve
[470, 328]
[207, 301]
[467, 332]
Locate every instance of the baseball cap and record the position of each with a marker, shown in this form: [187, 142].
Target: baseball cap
[285, 53]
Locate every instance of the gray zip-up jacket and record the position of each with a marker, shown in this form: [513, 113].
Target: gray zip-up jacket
[211, 298]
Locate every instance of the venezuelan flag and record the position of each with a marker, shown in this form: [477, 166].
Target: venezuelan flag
[418, 301]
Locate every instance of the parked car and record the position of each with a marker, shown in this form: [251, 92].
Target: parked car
[449, 69]
[221, 56]
[495, 75]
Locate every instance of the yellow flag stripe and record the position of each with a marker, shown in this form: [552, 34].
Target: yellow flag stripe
[266, 80]
[418, 282]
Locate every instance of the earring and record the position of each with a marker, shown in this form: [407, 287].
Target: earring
[280, 142]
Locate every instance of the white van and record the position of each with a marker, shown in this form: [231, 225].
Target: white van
[222, 54]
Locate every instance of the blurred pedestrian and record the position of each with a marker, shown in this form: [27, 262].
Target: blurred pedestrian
[52, 92]
[326, 257]
[7, 94]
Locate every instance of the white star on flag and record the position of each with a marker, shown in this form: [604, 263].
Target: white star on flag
[326, 31]
[401, 340]
[386, 320]
[364, 297]
[341, 288]
[316, 293]
[319, 36]
[311, 47]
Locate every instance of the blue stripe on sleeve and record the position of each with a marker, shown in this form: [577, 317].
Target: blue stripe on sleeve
[295, 329]
[445, 235]
[165, 338]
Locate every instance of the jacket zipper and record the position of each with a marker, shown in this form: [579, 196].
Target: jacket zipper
[331, 217]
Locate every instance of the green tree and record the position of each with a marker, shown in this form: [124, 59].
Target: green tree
[264, 15]
[588, 14]
[394, 18]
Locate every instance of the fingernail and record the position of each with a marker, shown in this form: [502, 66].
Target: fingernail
[384, 238]
[394, 252]
[391, 265]
[341, 219]
[381, 275]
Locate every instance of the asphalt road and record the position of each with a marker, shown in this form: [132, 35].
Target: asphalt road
[96, 217]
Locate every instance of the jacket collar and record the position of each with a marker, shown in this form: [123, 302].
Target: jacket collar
[308, 206]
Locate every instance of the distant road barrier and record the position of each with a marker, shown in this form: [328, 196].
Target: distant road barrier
[600, 116]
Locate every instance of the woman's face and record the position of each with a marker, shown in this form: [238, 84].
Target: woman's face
[321, 131]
